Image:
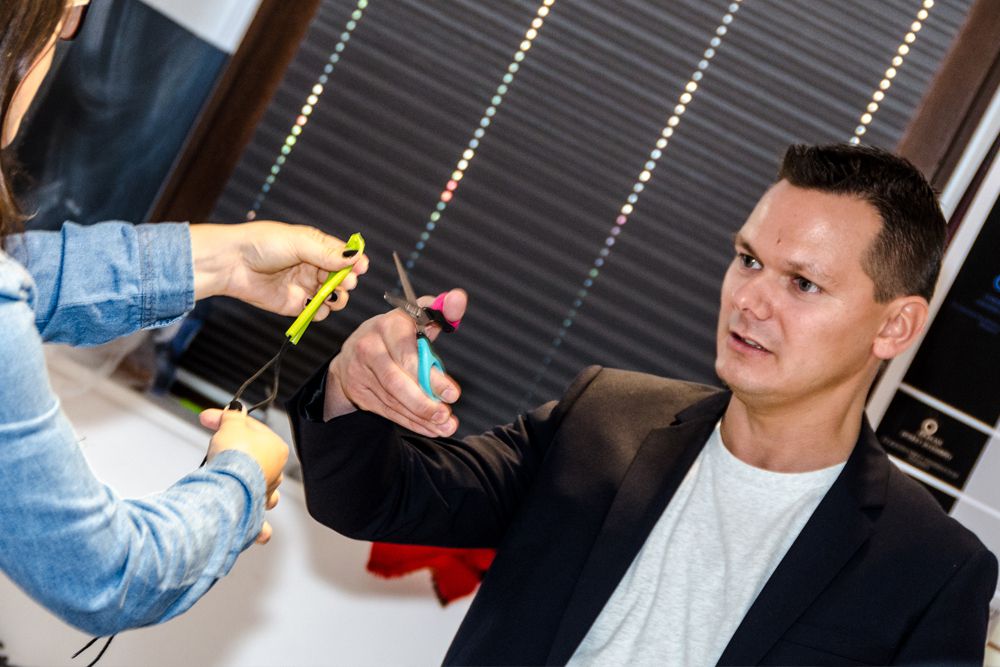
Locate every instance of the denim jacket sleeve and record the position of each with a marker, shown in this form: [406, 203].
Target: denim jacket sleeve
[101, 562]
[98, 282]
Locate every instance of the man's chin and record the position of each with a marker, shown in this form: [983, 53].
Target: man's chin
[743, 388]
[723, 382]
[728, 376]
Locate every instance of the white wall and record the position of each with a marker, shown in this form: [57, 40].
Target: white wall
[219, 22]
[304, 599]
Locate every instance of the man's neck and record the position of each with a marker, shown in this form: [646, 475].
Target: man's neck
[792, 438]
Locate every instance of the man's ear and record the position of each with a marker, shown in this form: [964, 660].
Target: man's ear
[906, 317]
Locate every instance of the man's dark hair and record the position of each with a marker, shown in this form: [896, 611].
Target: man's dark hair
[905, 257]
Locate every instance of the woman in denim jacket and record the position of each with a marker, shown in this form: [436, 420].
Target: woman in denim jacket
[101, 562]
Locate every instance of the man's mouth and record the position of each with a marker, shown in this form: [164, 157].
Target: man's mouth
[749, 342]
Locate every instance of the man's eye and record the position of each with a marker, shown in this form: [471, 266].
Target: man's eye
[804, 285]
[747, 261]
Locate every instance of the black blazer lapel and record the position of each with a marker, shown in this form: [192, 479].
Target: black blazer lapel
[654, 475]
[840, 525]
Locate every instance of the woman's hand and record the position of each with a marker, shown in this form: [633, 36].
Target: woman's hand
[271, 265]
[235, 430]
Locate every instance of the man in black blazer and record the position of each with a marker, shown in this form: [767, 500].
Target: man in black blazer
[613, 509]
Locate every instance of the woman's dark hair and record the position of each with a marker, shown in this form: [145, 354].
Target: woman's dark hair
[26, 26]
[905, 257]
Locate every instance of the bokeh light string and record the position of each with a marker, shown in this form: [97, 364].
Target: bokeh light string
[865, 120]
[448, 193]
[655, 155]
[305, 112]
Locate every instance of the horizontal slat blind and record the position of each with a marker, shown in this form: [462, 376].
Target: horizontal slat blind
[532, 231]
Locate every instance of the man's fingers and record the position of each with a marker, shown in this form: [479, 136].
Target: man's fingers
[375, 398]
[455, 304]
[377, 371]
[453, 308]
[393, 377]
[420, 426]
[421, 413]
[401, 391]
[444, 386]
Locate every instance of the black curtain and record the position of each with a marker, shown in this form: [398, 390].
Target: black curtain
[560, 270]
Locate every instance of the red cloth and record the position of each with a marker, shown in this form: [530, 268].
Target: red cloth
[455, 572]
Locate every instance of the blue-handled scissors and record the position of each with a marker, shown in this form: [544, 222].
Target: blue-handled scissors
[422, 317]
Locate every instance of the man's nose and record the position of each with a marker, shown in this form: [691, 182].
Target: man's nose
[753, 296]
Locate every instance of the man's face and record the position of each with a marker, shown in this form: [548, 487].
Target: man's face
[798, 314]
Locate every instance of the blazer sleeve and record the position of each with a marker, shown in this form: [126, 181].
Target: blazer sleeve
[369, 479]
[952, 630]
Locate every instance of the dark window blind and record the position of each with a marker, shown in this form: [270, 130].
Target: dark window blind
[579, 238]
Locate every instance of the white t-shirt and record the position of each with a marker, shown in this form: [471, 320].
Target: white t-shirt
[708, 556]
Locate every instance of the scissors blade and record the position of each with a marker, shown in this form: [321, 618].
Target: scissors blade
[404, 280]
[408, 307]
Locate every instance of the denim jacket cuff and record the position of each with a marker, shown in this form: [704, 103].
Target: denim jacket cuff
[167, 273]
[245, 469]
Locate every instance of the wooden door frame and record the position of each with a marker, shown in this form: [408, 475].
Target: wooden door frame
[959, 94]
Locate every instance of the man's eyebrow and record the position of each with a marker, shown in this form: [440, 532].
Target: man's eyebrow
[790, 266]
[739, 240]
[809, 269]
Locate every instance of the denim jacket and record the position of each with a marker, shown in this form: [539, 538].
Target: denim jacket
[101, 562]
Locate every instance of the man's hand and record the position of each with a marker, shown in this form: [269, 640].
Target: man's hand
[235, 430]
[376, 371]
[271, 265]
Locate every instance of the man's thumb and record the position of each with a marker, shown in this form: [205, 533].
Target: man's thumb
[454, 305]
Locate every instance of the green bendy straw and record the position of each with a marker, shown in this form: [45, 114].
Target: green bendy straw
[294, 333]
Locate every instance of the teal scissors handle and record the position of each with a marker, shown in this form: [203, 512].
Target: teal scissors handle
[428, 360]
